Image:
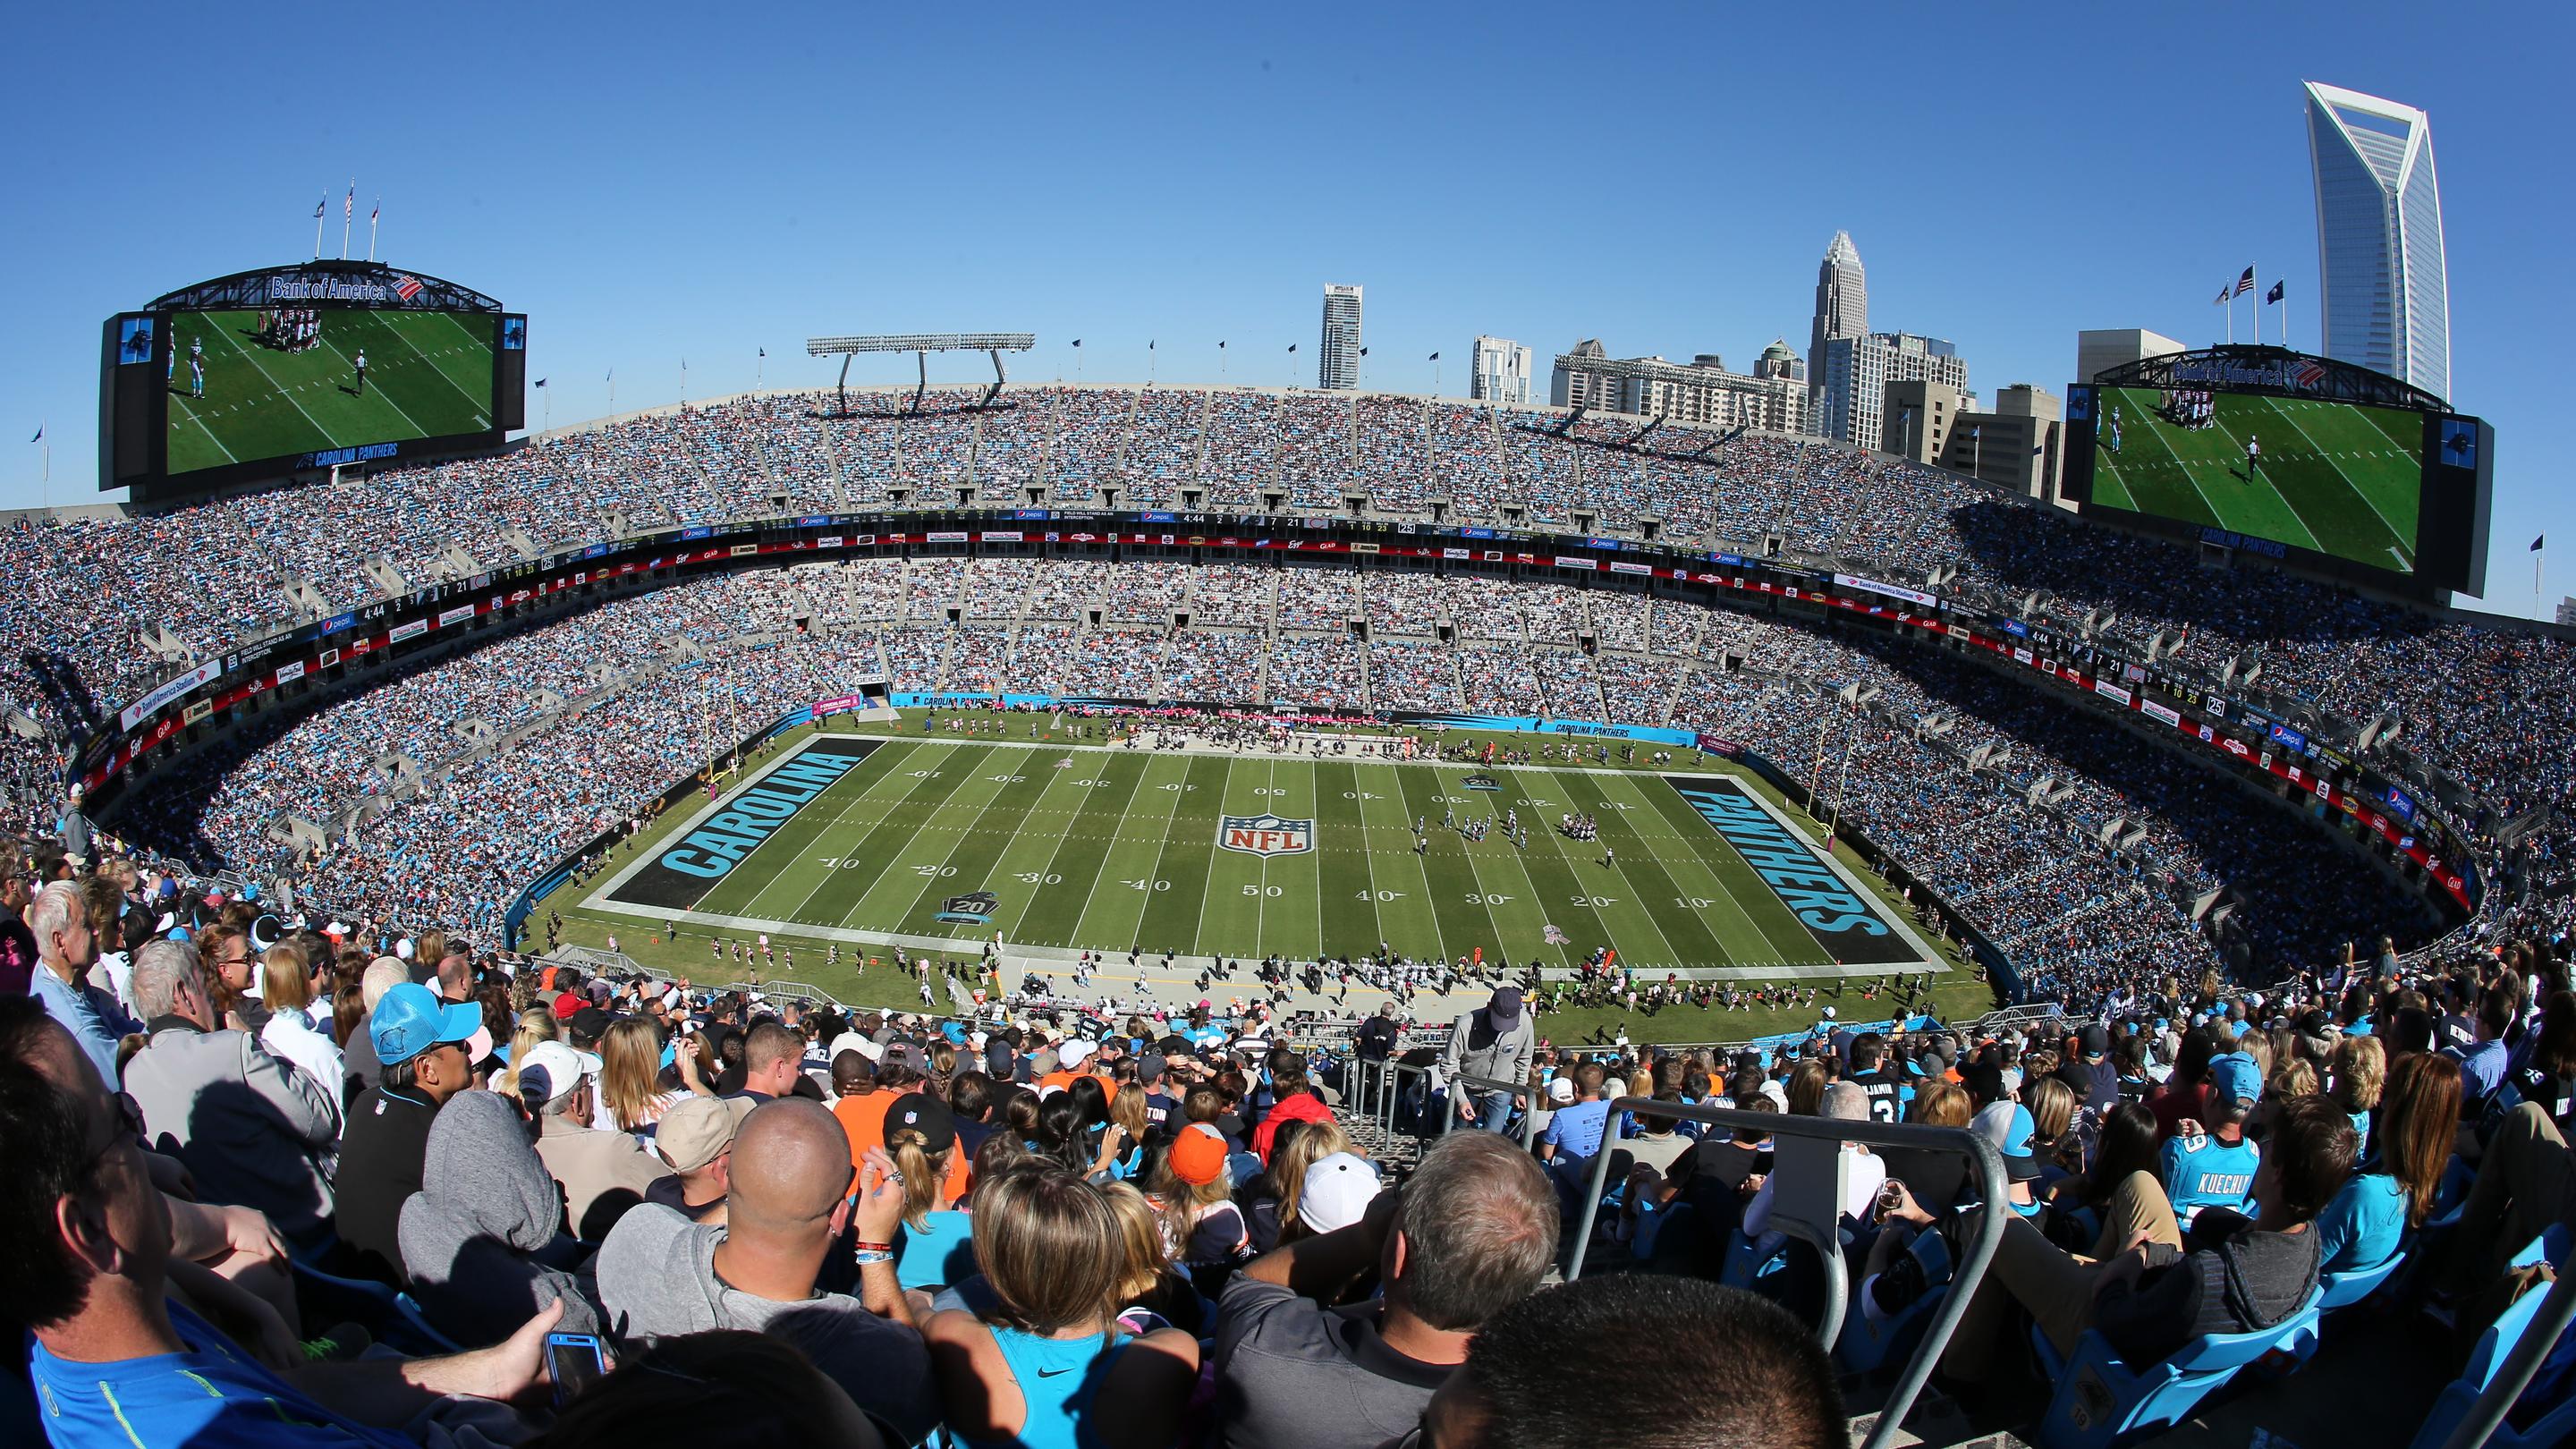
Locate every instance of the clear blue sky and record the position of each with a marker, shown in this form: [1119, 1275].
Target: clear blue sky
[652, 183]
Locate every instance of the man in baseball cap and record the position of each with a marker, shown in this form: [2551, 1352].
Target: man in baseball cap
[695, 1139]
[427, 1049]
[603, 1171]
[2213, 1164]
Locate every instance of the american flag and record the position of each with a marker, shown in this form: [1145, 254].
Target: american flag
[2244, 284]
[407, 288]
[349, 207]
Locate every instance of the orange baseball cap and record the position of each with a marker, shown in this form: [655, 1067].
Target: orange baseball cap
[1198, 1154]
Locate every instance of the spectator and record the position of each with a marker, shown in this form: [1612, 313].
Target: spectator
[2482, 1056]
[2526, 1181]
[2152, 1297]
[1561, 1367]
[116, 1360]
[773, 1060]
[1471, 1233]
[722, 1389]
[630, 1092]
[427, 1050]
[2370, 1216]
[1189, 1187]
[2359, 1075]
[603, 1171]
[858, 1101]
[1044, 1364]
[695, 1141]
[2214, 1164]
[1297, 1100]
[478, 1236]
[249, 1128]
[921, 1139]
[287, 987]
[66, 949]
[1494, 1042]
[1863, 1174]
[358, 1049]
[1574, 1132]
[661, 1274]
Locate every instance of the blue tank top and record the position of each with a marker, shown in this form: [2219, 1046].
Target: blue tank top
[1058, 1378]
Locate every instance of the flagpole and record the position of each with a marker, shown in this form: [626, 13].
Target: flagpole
[348, 210]
[373, 216]
[2256, 292]
[317, 224]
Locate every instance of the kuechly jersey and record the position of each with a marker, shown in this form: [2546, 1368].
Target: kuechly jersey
[2202, 1172]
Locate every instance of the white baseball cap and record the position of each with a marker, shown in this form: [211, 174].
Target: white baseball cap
[1337, 1192]
[565, 1067]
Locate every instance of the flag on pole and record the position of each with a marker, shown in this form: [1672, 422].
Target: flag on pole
[2273, 295]
[1292, 346]
[1220, 347]
[1077, 342]
[2244, 284]
[318, 206]
[612, 375]
[1149, 344]
[540, 382]
[375, 211]
[40, 437]
[1363, 352]
[349, 207]
[2537, 542]
[2223, 294]
[1435, 357]
[764, 352]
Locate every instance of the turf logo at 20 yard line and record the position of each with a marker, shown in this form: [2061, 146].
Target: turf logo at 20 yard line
[1481, 782]
[975, 908]
[1265, 835]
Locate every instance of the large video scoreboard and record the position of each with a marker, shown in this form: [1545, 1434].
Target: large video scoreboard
[294, 369]
[2333, 468]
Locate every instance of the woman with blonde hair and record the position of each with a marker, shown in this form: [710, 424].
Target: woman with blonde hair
[1202, 1226]
[1807, 1083]
[536, 1024]
[1047, 1366]
[2359, 1074]
[1151, 1294]
[286, 985]
[631, 1098]
[933, 1246]
[1272, 1216]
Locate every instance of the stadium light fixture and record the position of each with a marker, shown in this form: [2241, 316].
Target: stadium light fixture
[921, 345]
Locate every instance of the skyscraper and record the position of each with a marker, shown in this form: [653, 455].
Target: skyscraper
[2383, 289]
[1842, 305]
[1337, 361]
[1502, 372]
[1858, 370]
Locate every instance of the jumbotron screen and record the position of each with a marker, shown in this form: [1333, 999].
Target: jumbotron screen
[297, 369]
[2335, 478]
[291, 381]
[2386, 495]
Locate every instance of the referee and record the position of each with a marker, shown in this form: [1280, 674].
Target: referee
[361, 361]
[2253, 457]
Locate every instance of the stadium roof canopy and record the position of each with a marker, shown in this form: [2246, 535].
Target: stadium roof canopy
[921, 345]
[325, 284]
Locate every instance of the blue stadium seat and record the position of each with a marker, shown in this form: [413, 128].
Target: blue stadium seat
[2101, 1401]
[392, 1318]
[2344, 1289]
[1865, 1347]
[419, 1323]
[2556, 1423]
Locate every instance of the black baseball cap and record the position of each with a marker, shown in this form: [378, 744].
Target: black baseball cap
[925, 1114]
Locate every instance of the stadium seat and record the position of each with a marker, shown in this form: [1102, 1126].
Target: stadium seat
[1865, 1347]
[2101, 1401]
[2555, 1424]
[419, 1323]
[2342, 1290]
[392, 1318]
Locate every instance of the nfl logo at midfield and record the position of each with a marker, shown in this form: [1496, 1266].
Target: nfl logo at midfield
[1265, 835]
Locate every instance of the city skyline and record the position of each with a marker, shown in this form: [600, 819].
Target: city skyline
[2383, 287]
[1121, 192]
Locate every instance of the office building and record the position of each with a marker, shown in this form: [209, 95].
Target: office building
[1337, 361]
[2383, 287]
[2567, 609]
[1502, 373]
[2098, 352]
[2014, 444]
[1842, 303]
[1778, 361]
[1916, 416]
[1699, 391]
[1856, 374]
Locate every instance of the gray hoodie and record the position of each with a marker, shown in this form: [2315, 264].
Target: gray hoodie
[486, 1206]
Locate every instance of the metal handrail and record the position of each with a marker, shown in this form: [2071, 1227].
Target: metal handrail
[1993, 1193]
[2541, 1335]
[1451, 1121]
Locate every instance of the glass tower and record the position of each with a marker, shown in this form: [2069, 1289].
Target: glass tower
[2383, 288]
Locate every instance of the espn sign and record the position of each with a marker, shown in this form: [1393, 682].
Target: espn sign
[1265, 835]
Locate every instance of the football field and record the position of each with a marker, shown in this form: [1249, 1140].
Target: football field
[943, 843]
[429, 375]
[2337, 478]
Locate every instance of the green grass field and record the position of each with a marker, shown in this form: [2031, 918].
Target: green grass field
[1104, 853]
[2335, 477]
[429, 375]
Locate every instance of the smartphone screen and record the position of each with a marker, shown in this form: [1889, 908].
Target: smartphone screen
[575, 1362]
